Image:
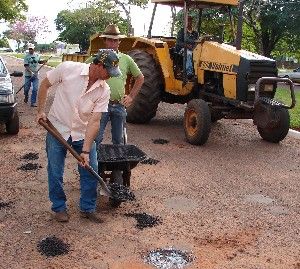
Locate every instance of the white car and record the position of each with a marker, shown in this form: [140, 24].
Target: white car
[293, 75]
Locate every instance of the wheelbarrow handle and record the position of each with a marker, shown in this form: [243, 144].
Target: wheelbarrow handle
[52, 130]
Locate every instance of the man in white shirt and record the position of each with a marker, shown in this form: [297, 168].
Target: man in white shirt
[80, 98]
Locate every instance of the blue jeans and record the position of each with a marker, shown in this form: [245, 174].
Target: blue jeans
[189, 63]
[56, 154]
[117, 116]
[35, 85]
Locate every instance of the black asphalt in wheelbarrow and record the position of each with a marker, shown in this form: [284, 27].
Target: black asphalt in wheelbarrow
[119, 157]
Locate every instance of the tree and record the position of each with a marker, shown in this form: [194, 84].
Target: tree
[10, 10]
[77, 26]
[3, 43]
[125, 6]
[271, 22]
[27, 31]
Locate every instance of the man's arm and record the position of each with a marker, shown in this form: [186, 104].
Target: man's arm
[138, 82]
[42, 97]
[90, 135]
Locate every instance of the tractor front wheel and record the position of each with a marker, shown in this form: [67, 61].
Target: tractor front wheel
[197, 122]
[280, 130]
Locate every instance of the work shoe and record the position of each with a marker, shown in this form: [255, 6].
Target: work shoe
[33, 105]
[92, 216]
[61, 216]
[26, 99]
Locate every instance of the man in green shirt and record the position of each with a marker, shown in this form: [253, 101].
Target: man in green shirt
[118, 99]
[31, 62]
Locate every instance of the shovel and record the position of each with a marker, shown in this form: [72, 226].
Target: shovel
[52, 130]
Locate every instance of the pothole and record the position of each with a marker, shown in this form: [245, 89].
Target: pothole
[259, 198]
[181, 204]
[52, 246]
[169, 258]
[144, 220]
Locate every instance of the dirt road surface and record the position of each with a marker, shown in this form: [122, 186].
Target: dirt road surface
[233, 203]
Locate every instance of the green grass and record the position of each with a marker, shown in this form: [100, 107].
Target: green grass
[54, 61]
[284, 96]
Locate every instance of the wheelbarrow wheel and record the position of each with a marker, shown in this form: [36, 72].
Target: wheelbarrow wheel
[114, 203]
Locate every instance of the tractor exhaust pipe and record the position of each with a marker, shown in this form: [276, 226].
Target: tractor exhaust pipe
[239, 35]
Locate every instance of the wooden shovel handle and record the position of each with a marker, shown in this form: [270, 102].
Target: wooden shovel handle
[52, 130]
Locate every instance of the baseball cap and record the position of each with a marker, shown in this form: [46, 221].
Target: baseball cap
[110, 61]
[30, 46]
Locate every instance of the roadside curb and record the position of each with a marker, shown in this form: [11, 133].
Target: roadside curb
[294, 133]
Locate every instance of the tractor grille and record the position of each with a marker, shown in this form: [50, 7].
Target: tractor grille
[257, 70]
[260, 69]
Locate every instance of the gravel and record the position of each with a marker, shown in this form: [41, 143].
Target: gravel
[234, 203]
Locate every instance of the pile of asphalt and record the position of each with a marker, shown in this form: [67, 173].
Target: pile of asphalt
[149, 161]
[144, 220]
[52, 246]
[121, 193]
[30, 156]
[29, 166]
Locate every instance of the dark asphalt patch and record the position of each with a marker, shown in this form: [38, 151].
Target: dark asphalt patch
[144, 220]
[149, 161]
[5, 204]
[29, 166]
[52, 246]
[160, 141]
[30, 156]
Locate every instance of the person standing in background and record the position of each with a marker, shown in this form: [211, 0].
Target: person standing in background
[118, 99]
[31, 62]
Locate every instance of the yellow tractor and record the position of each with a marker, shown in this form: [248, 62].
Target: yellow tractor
[229, 82]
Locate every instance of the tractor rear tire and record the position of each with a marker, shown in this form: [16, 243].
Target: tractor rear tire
[197, 122]
[278, 133]
[145, 104]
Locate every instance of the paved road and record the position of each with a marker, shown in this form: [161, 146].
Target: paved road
[233, 203]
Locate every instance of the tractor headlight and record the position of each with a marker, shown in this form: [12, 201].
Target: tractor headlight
[269, 87]
[9, 99]
[266, 87]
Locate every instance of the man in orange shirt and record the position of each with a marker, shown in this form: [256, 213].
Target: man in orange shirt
[81, 96]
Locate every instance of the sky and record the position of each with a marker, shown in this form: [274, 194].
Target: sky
[140, 18]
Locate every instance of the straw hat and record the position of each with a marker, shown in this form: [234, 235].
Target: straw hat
[112, 31]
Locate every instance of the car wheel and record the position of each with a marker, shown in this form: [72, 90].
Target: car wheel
[13, 126]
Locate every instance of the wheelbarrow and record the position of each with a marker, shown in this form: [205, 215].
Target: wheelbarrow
[118, 157]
